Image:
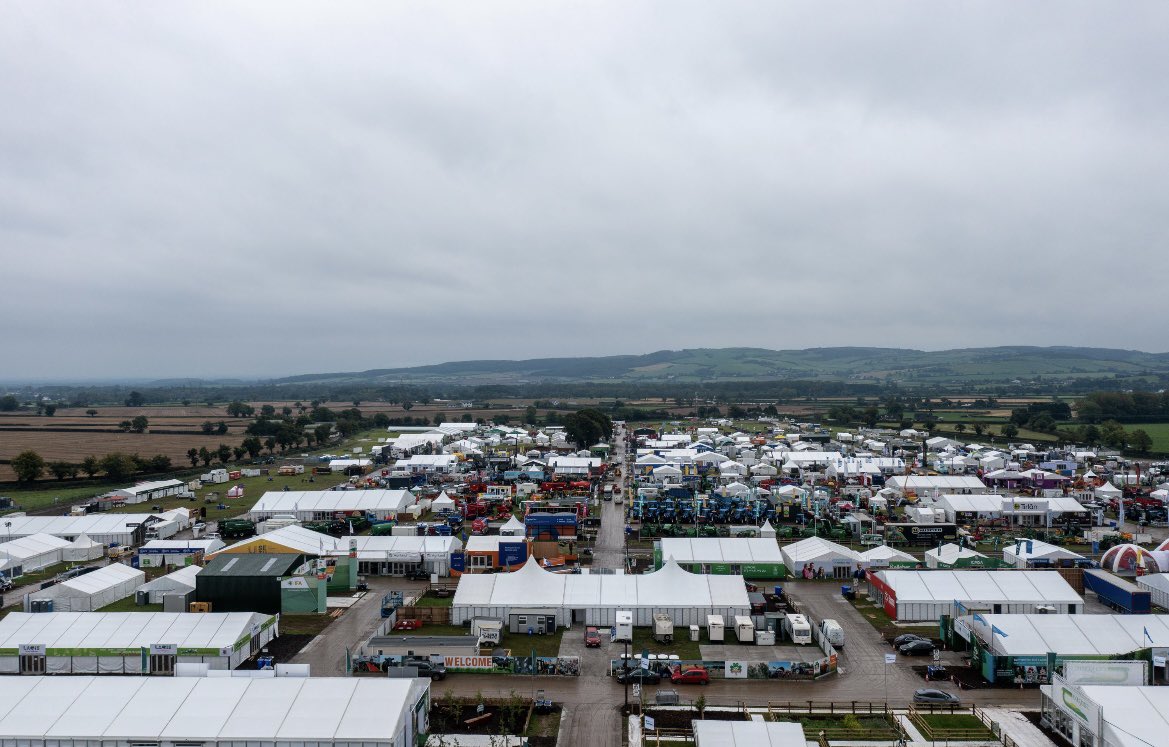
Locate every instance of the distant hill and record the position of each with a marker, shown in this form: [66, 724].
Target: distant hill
[874, 365]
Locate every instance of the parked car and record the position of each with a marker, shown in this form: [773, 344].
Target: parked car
[917, 648]
[928, 695]
[426, 668]
[639, 675]
[592, 638]
[901, 640]
[693, 675]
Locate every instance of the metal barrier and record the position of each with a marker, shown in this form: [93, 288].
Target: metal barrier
[939, 734]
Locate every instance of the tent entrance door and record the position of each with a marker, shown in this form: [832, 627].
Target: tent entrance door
[32, 663]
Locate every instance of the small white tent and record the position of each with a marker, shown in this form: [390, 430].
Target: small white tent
[82, 549]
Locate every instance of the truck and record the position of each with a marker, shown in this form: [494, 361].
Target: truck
[1117, 592]
[663, 628]
[624, 627]
[831, 630]
[744, 629]
[798, 629]
[714, 628]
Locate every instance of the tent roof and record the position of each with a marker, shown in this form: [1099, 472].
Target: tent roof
[1081, 635]
[121, 630]
[175, 709]
[979, 586]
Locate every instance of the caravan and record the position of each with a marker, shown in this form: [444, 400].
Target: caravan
[798, 629]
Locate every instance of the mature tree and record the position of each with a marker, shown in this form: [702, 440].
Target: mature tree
[220, 428]
[1010, 430]
[139, 424]
[979, 428]
[205, 456]
[1112, 434]
[158, 463]
[1140, 440]
[207, 427]
[407, 405]
[60, 470]
[118, 466]
[239, 409]
[237, 453]
[28, 466]
[270, 444]
[9, 403]
[91, 413]
[323, 433]
[1091, 435]
[50, 410]
[126, 425]
[90, 465]
[960, 427]
[268, 411]
[252, 446]
[135, 400]
[223, 453]
[193, 455]
[286, 411]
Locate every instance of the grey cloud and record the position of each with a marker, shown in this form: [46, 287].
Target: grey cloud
[401, 181]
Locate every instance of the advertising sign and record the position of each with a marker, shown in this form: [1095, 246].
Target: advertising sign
[1071, 700]
[1106, 672]
[32, 649]
[164, 649]
[469, 663]
[735, 670]
[294, 582]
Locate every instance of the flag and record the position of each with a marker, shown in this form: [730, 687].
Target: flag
[1148, 636]
[979, 618]
[959, 606]
[996, 630]
[351, 526]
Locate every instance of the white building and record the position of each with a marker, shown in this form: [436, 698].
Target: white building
[179, 582]
[820, 556]
[106, 528]
[148, 491]
[212, 712]
[710, 733]
[1028, 552]
[113, 642]
[176, 552]
[322, 505]
[931, 485]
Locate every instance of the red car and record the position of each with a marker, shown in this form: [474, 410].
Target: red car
[592, 638]
[693, 675]
[407, 624]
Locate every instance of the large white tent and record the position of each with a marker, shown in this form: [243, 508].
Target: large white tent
[27, 554]
[228, 712]
[594, 599]
[113, 642]
[320, 505]
[882, 556]
[1024, 552]
[1069, 635]
[927, 595]
[91, 591]
[711, 733]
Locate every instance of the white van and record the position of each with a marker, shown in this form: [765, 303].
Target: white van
[831, 630]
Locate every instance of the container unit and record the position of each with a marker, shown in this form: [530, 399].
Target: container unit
[744, 629]
[714, 628]
[1118, 593]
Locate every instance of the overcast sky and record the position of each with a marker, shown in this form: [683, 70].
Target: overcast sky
[233, 189]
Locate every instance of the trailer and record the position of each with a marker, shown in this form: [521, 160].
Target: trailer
[663, 628]
[714, 628]
[1118, 593]
[744, 629]
[798, 629]
[623, 630]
